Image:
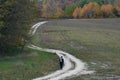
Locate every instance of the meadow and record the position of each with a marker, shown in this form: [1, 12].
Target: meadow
[94, 41]
[27, 65]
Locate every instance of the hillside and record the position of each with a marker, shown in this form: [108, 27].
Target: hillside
[94, 41]
[79, 8]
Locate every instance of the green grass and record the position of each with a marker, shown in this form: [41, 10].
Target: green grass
[33, 64]
[95, 41]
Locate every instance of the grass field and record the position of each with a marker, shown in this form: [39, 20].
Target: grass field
[28, 65]
[94, 41]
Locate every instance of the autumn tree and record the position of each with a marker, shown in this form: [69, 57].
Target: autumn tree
[90, 10]
[59, 13]
[107, 10]
[117, 8]
[51, 9]
[76, 13]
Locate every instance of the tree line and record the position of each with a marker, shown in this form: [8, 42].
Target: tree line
[16, 17]
[80, 8]
[94, 10]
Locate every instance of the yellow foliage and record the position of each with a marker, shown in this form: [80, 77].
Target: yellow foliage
[58, 13]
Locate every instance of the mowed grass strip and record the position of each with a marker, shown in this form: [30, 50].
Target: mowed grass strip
[95, 41]
[33, 64]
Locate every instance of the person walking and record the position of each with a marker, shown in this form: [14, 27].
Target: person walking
[61, 60]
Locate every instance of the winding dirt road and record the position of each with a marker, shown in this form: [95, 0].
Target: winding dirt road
[73, 66]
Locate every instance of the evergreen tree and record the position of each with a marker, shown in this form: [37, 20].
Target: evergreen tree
[69, 10]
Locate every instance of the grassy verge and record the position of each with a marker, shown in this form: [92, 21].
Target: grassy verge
[27, 66]
[93, 41]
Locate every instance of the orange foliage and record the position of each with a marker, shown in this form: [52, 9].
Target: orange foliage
[107, 10]
[82, 12]
[91, 9]
[76, 13]
[117, 7]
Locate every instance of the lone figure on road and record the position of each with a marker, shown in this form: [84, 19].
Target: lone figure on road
[61, 60]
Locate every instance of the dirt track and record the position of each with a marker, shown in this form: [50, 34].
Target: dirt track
[73, 66]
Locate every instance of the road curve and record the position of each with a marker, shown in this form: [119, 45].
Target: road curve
[72, 67]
